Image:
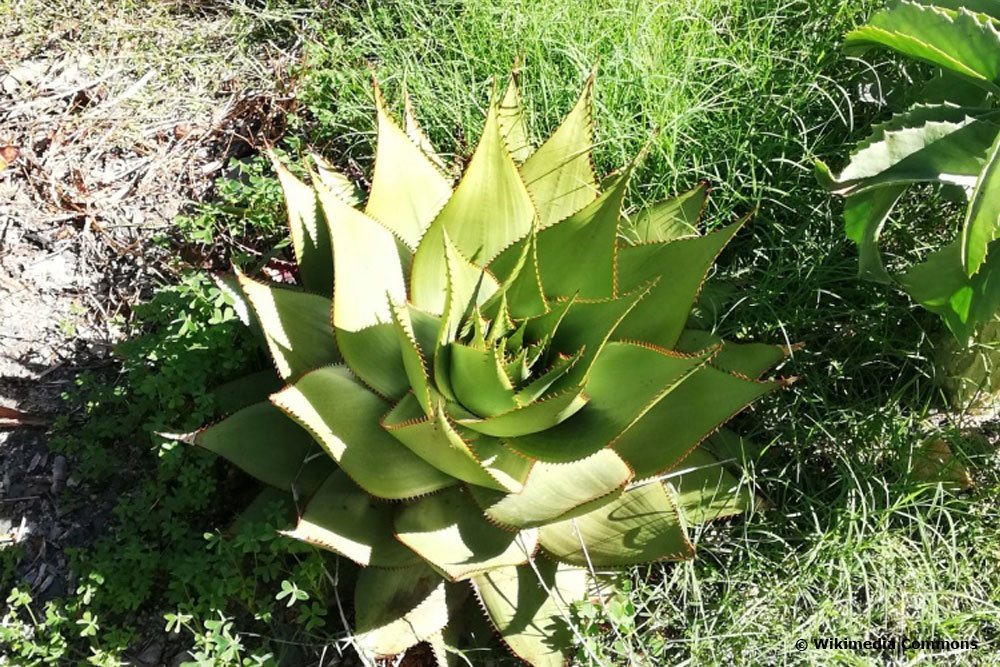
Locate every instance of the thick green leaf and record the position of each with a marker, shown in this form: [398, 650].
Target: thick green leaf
[541, 384]
[965, 43]
[479, 381]
[266, 444]
[531, 607]
[418, 136]
[988, 7]
[557, 491]
[586, 325]
[707, 491]
[434, 439]
[521, 284]
[344, 417]
[334, 181]
[560, 175]
[940, 285]
[397, 609]
[540, 416]
[346, 520]
[374, 354]
[940, 143]
[407, 189]
[245, 391]
[507, 466]
[670, 219]
[639, 526]
[673, 427]
[310, 235]
[513, 128]
[450, 646]
[448, 530]
[578, 255]
[229, 286]
[983, 217]
[489, 210]
[749, 359]
[367, 265]
[865, 214]
[413, 357]
[296, 326]
[625, 382]
[678, 269]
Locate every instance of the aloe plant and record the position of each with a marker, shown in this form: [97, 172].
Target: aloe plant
[950, 137]
[493, 386]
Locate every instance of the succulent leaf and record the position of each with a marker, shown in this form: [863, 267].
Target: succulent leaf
[661, 315]
[948, 138]
[748, 359]
[670, 219]
[489, 210]
[344, 417]
[245, 391]
[366, 262]
[296, 326]
[310, 235]
[983, 217]
[434, 439]
[942, 286]
[531, 606]
[560, 175]
[988, 7]
[687, 418]
[513, 126]
[625, 382]
[448, 531]
[639, 526]
[343, 518]
[263, 443]
[556, 491]
[941, 143]
[586, 238]
[865, 213]
[504, 360]
[397, 609]
[337, 183]
[408, 189]
[961, 41]
[707, 491]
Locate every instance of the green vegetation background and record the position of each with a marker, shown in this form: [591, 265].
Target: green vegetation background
[742, 93]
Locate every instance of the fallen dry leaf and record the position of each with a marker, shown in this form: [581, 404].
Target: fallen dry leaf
[11, 418]
[936, 463]
[8, 154]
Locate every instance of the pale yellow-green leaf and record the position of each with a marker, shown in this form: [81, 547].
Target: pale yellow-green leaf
[367, 266]
[560, 175]
[407, 190]
[531, 607]
[448, 530]
[296, 326]
[344, 418]
[396, 609]
[344, 519]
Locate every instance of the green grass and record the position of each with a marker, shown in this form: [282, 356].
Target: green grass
[741, 93]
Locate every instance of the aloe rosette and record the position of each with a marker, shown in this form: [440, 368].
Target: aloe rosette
[951, 138]
[493, 382]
